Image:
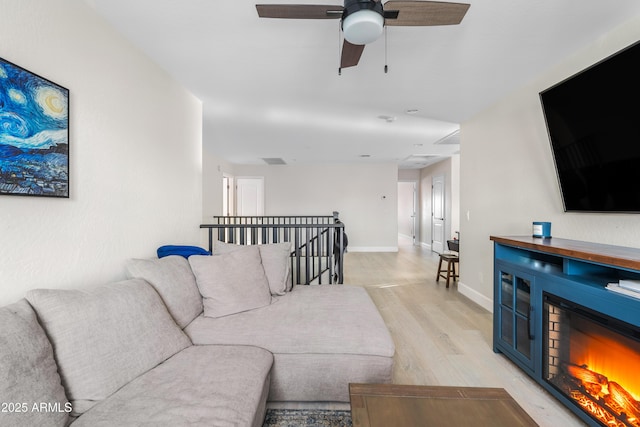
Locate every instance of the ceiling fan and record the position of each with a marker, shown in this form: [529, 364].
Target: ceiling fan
[363, 21]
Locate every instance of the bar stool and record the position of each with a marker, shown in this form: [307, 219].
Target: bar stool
[451, 259]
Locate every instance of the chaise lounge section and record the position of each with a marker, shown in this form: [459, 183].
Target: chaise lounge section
[318, 335]
[321, 337]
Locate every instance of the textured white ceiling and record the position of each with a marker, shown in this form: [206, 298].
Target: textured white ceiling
[271, 88]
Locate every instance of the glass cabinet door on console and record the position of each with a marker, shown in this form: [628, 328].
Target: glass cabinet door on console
[514, 328]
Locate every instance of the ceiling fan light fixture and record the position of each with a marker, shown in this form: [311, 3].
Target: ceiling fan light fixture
[362, 21]
[362, 27]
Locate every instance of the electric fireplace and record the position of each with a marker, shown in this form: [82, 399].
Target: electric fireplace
[592, 360]
[571, 332]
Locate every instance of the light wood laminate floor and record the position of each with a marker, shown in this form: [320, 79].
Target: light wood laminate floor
[441, 337]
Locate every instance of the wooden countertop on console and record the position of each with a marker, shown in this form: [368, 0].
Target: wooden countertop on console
[618, 256]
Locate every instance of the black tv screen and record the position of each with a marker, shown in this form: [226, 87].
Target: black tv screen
[593, 120]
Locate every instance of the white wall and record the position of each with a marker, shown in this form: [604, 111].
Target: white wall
[408, 175]
[365, 196]
[508, 178]
[135, 154]
[455, 195]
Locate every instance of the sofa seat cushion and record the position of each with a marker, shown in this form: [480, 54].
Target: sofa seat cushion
[200, 386]
[28, 372]
[105, 336]
[311, 319]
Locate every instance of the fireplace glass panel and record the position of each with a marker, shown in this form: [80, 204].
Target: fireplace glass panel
[593, 361]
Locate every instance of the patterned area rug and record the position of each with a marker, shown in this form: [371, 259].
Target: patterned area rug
[307, 417]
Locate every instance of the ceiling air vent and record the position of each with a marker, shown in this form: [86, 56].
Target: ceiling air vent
[452, 139]
[274, 161]
[420, 158]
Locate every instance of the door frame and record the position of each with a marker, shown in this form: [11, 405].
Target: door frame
[228, 195]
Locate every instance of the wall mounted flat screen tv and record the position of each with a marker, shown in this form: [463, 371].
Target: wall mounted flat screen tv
[593, 120]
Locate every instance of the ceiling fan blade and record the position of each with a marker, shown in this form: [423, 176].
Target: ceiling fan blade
[425, 13]
[351, 54]
[299, 11]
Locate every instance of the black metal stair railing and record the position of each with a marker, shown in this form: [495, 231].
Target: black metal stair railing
[318, 243]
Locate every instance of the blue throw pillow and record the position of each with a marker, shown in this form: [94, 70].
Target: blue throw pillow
[183, 251]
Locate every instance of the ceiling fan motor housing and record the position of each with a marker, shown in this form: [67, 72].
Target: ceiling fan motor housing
[362, 21]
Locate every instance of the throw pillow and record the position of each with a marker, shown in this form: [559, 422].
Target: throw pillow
[181, 250]
[231, 283]
[173, 279]
[28, 373]
[104, 337]
[276, 260]
[220, 247]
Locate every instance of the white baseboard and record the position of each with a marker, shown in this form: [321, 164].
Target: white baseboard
[372, 249]
[475, 296]
[425, 245]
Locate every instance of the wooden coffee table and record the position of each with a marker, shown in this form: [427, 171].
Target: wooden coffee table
[385, 405]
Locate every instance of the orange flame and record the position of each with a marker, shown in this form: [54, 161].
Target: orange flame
[606, 367]
[618, 360]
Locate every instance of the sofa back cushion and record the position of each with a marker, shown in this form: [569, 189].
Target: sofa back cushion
[173, 279]
[276, 260]
[28, 372]
[231, 283]
[103, 337]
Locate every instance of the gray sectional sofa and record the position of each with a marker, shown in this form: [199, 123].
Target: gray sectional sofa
[207, 340]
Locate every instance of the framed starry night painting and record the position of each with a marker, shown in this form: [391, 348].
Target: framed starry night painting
[34, 134]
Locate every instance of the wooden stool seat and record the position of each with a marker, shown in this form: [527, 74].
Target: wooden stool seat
[450, 271]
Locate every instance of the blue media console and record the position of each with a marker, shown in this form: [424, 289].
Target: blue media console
[550, 300]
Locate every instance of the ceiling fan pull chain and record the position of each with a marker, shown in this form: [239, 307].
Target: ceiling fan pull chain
[339, 48]
[386, 67]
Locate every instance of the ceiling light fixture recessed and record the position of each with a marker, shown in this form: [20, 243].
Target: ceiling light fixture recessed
[388, 119]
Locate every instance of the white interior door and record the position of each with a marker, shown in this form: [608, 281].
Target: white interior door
[438, 214]
[250, 196]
